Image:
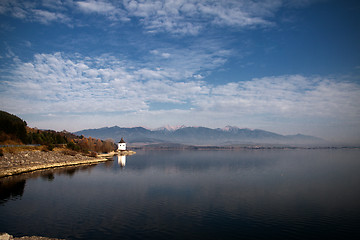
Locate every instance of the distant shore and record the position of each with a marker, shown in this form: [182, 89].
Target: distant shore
[177, 146]
[121, 153]
[32, 160]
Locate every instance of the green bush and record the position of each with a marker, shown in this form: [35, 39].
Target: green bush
[73, 146]
[50, 147]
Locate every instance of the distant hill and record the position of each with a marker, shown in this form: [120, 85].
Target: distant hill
[198, 136]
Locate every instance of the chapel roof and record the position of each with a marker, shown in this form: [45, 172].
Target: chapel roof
[122, 140]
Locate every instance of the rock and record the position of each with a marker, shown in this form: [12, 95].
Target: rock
[35, 238]
[5, 236]
[17, 163]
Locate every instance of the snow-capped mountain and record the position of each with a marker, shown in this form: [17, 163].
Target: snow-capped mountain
[198, 135]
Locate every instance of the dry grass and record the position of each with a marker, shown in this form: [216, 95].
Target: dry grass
[45, 148]
[69, 152]
[21, 149]
[18, 149]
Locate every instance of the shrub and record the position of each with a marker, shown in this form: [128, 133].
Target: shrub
[69, 152]
[73, 146]
[93, 154]
[50, 147]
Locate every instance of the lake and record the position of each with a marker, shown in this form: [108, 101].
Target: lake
[245, 194]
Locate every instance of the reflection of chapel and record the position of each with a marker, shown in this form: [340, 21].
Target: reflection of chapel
[121, 145]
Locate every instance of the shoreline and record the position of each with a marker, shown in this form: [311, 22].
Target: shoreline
[6, 236]
[113, 153]
[28, 161]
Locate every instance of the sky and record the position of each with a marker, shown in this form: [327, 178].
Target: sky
[287, 66]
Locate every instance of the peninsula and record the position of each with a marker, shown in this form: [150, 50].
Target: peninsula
[24, 149]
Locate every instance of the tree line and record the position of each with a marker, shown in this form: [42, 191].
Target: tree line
[91, 145]
[12, 128]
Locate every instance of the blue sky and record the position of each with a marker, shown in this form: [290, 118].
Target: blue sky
[288, 66]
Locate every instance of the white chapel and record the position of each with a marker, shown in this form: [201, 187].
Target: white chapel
[121, 145]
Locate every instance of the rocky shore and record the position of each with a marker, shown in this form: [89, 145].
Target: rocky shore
[27, 161]
[6, 236]
[39, 163]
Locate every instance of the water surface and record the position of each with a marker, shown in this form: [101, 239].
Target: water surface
[253, 194]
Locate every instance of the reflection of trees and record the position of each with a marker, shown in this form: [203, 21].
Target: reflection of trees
[49, 176]
[70, 171]
[108, 164]
[11, 189]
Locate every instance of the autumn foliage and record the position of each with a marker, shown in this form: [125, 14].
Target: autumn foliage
[91, 145]
[14, 131]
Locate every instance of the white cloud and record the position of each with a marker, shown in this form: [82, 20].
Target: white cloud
[108, 9]
[57, 5]
[179, 17]
[291, 97]
[96, 6]
[162, 54]
[47, 17]
[58, 84]
[191, 16]
[44, 12]
[195, 61]
[27, 43]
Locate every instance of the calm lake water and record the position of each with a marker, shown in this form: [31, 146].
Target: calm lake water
[254, 194]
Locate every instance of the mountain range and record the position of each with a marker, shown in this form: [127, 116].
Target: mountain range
[228, 135]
